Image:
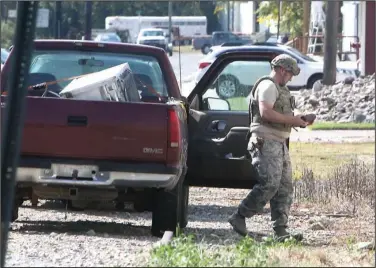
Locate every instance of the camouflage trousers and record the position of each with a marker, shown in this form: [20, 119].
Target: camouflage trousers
[271, 160]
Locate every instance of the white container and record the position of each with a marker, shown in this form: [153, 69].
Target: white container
[112, 84]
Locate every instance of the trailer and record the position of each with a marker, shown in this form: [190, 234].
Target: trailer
[184, 28]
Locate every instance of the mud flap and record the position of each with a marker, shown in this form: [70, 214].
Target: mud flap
[169, 208]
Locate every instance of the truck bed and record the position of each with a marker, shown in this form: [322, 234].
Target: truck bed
[95, 130]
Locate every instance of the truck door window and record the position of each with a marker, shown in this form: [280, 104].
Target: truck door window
[233, 85]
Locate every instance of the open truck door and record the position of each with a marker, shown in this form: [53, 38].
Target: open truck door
[218, 128]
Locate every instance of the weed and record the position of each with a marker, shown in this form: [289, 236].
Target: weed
[184, 251]
[352, 183]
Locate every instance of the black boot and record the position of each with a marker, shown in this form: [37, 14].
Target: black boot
[282, 235]
[237, 222]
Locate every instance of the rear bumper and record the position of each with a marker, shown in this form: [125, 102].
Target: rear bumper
[35, 170]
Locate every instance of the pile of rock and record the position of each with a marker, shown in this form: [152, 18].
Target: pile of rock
[349, 101]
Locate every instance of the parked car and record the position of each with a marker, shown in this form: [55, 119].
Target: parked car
[154, 37]
[107, 37]
[217, 38]
[238, 80]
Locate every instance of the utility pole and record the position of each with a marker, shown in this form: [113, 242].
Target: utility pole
[330, 42]
[279, 3]
[169, 21]
[228, 15]
[57, 19]
[232, 16]
[306, 23]
[88, 21]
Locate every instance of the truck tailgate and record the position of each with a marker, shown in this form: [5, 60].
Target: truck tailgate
[95, 130]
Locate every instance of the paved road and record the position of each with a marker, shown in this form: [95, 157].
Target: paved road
[189, 66]
[333, 136]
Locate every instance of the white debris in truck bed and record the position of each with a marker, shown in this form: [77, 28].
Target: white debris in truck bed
[113, 84]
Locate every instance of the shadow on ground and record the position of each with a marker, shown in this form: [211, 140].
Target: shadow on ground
[120, 230]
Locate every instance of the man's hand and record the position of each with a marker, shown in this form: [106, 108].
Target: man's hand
[267, 112]
[297, 121]
[309, 118]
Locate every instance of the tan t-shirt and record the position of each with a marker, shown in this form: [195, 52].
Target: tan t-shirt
[267, 91]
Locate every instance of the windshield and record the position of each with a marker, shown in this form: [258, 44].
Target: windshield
[297, 52]
[60, 64]
[152, 33]
[108, 37]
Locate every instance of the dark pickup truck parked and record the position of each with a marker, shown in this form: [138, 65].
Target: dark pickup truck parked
[217, 38]
[103, 150]
[146, 152]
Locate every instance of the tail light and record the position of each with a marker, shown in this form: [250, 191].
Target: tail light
[173, 141]
[173, 129]
[203, 65]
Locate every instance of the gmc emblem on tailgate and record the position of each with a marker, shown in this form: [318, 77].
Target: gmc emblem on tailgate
[152, 150]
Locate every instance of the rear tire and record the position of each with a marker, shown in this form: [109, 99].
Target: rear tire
[312, 80]
[227, 86]
[205, 49]
[165, 206]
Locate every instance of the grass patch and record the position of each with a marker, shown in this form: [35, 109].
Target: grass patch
[323, 158]
[341, 126]
[184, 251]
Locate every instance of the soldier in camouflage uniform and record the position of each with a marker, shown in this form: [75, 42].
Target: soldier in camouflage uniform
[271, 116]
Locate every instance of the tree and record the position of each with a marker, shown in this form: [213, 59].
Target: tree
[73, 22]
[7, 32]
[291, 15]
[208, 8]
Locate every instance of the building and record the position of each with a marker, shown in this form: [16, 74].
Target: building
[359, 20]
[242, 17]
[366, 25]
[358, 25]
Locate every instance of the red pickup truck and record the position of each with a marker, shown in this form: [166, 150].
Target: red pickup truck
[135, 151]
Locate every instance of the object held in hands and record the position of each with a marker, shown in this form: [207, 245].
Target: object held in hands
[310, 118]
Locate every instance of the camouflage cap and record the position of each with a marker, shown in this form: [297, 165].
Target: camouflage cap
[287, 62]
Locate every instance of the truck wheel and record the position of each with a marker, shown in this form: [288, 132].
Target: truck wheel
[164, 217]
[312, 80]
[227, 86]
[205, 49]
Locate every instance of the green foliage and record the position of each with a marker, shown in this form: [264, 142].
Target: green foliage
[291, 15]
[184, 251]
[7, 32]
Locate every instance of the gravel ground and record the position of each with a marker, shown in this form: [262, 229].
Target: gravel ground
[50, 236]
[43, 237]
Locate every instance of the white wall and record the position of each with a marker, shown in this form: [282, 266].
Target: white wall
[247, 17]
[362, 35]
[349, 24]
